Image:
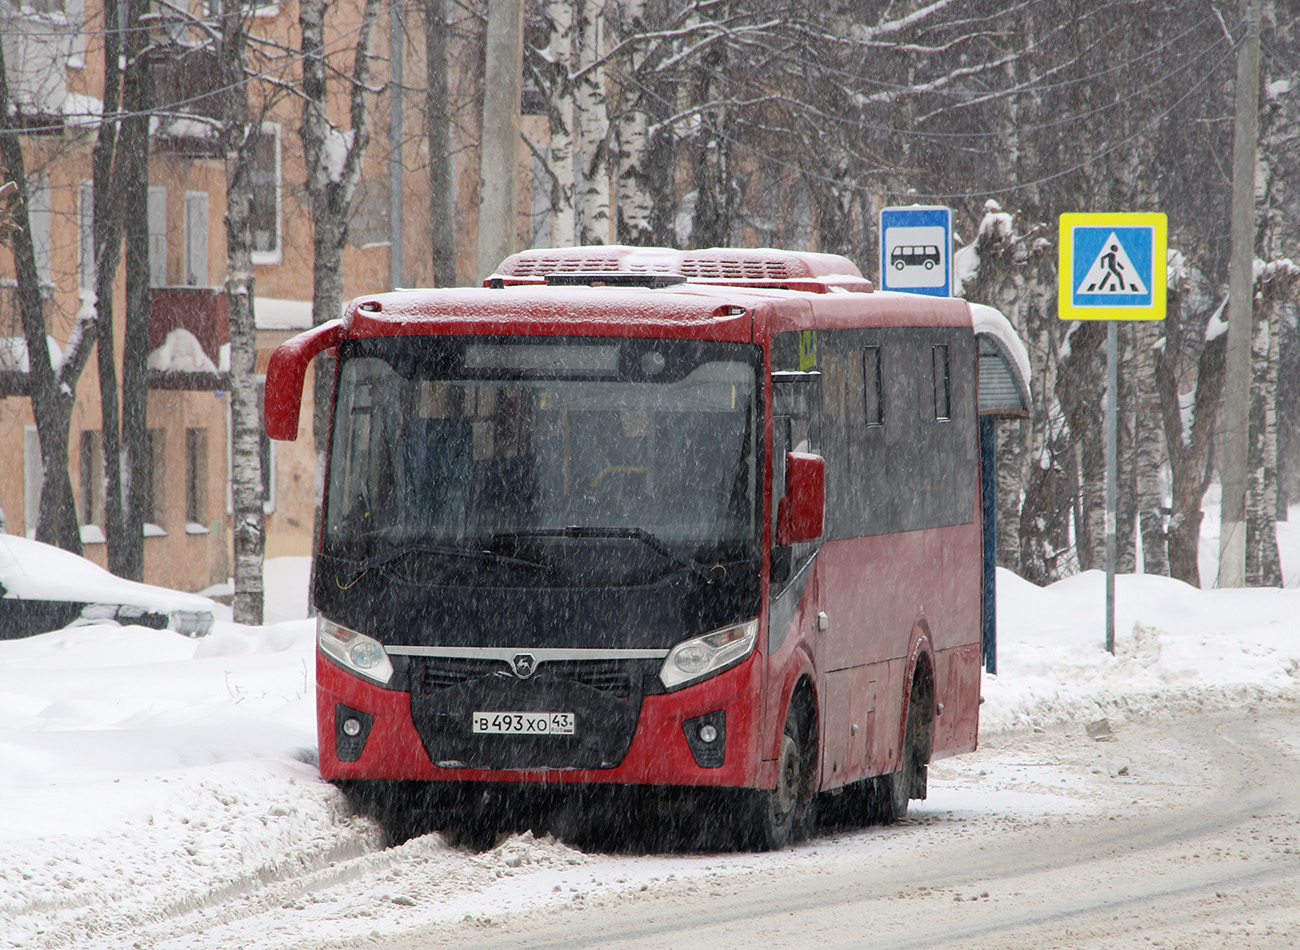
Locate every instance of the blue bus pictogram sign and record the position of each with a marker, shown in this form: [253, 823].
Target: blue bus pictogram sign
[916, 250]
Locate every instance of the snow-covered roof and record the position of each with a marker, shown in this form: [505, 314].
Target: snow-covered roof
[181, 352]
[34, 571]
[990, 325]
[83, 111]
[273, 313]
[13, 354]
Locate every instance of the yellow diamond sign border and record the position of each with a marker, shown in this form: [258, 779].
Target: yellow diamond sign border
[1067, 309]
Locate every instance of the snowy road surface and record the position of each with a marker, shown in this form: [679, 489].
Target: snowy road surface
[1181, 833]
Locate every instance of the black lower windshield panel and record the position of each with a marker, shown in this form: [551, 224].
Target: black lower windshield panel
[500, 722]
[476, 484]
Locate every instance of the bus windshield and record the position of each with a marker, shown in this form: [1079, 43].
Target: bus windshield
[451, 448]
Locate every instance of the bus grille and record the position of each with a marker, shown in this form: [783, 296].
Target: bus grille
[619, 678]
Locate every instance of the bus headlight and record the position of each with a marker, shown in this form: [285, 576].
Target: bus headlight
[701, 657]
[355, 651]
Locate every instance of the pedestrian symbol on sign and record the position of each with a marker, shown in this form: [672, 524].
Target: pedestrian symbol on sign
[1112, 272]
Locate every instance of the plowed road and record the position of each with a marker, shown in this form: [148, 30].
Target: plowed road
[1183, 833]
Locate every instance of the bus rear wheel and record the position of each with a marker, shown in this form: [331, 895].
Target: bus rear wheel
[888, 795]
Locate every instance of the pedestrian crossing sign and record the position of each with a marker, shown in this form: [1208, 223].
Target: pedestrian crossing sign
[1112, 266]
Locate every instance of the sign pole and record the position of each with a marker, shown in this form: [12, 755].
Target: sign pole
[1112, 472]
[1112, 267]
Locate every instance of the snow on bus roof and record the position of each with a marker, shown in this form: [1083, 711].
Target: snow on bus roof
[400, 312]
[572, 306]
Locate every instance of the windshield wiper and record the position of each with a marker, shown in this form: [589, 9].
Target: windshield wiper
[652, 541]
[379, 561]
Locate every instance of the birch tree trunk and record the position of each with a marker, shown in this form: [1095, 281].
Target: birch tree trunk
[107, 229]
[635, 202]
[238, 138]
[1080, 387]
[1126, 506]
[1148, 449]
[593, 124]
[1190, 445]
[442, 174]
[660, 161]
[50, 388]
[563, 123]
[126, 553]
[333, 162]
[1013, 435]
[1275, 283]
[1037, 473]
[333, 157]
[713, 221]
[1278, 180]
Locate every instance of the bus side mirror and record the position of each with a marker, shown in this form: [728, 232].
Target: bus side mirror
[285, 374]
[800, 514]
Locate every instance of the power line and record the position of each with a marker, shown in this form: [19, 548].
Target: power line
[1084, 164]
[1060, 120]
[990, 193]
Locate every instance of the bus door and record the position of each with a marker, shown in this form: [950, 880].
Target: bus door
[794, 594]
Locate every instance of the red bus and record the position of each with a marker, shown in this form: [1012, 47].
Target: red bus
[641, 517]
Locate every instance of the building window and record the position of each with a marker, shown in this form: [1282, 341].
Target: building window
[265, 211]
[33, 470]
[39, 210]
[196, 238]
[158, 237]
[196, 477]
[266, 455]
[45, 6]
[92, 478]
[942, 400]
[86, 232]
[542, 214]
[873, 388]
[153, 485]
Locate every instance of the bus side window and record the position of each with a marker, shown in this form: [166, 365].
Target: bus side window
[942, 397]
[796, 427]
[873, 390]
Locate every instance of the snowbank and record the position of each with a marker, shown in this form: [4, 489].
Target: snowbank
[1175, 646]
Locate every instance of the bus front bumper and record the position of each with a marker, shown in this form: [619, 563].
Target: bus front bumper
[700, 735]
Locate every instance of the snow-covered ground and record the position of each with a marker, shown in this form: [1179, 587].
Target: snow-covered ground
[161, 791]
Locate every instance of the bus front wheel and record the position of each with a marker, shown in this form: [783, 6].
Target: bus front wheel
[777, 815]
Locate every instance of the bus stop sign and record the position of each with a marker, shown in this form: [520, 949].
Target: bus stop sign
[1112, 267]
[916, 250]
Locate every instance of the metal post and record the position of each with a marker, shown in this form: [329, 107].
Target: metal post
[1112, 478]
[395, 132]
[1241, 293]
[499, 144]
[989, 511]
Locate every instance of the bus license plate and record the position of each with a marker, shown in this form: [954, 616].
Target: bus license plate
[523, 724]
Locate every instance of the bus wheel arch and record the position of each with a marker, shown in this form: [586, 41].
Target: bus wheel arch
[889, 795]
[786, 811]
[918, 729]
